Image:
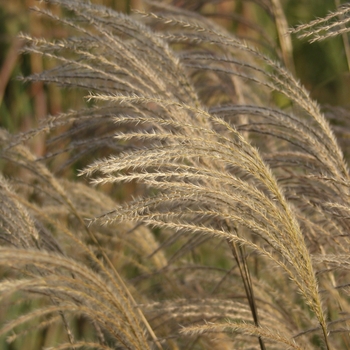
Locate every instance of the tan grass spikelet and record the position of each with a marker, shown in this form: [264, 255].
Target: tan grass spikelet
[270, 187]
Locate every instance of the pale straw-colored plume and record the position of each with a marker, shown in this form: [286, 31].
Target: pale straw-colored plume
[203, 216]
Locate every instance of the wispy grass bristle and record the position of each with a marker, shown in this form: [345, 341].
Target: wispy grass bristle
[183, 208]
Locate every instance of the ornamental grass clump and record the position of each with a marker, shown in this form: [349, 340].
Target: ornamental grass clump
[235, 232]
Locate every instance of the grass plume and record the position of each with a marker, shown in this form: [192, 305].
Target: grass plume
[234, 232]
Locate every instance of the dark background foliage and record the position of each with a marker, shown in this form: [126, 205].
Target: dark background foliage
[321, 67]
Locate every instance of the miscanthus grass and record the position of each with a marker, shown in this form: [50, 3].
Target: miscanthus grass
[237, 232]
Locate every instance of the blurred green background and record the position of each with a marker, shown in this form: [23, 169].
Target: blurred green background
[321, 67]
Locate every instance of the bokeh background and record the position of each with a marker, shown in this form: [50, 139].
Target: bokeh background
[321, 67]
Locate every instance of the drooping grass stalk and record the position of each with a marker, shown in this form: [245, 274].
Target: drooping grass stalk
[182, 117]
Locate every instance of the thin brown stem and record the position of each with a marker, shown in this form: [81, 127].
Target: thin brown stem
[240, 257]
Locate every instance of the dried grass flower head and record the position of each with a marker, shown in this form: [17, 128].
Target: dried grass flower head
[239, 215]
